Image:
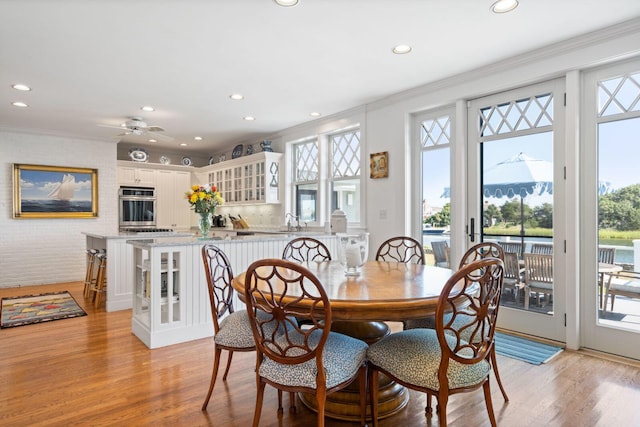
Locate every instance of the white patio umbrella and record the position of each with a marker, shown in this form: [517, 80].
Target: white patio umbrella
[521, 176]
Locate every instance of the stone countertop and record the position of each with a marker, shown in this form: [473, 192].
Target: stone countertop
[138, 236]
[188, 241]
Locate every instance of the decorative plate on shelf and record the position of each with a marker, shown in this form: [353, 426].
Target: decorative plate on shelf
[139, 155]
[165, 160]
[186, 161]
[211, 160]
[237, 151]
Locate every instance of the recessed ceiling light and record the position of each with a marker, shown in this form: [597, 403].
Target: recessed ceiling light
[147, 108]
[19, 104]
[182, 144]
[315, 114]
[249, 118]
[153, 140]
[19, 86]
[236, 96]
[401, 49]
[198, 138]
[503, 6]
[286, 3]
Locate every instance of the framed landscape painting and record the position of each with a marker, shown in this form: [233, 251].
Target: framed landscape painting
[54, 192]
[379, 165]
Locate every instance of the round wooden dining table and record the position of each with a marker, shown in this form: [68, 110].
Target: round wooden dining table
[384, 291]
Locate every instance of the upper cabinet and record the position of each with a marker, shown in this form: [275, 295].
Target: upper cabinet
[139, 177]
[248, 180]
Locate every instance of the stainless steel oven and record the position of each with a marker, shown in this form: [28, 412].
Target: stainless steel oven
[137, 207]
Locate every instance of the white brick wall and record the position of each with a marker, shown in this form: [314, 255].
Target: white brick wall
[39, 251]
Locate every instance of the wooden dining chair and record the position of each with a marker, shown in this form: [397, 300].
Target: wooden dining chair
[305, 249]
[401, 249]
[232, 331]
[310, 360]
[442, 361]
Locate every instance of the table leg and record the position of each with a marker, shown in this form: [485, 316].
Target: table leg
[345, 404]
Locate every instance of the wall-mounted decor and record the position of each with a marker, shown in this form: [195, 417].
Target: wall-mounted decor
[379, 165]
[54, 192]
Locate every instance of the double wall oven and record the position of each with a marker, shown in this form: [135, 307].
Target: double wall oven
[137, 206]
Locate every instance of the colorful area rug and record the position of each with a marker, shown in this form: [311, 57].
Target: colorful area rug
[523, 349]
[26, 310]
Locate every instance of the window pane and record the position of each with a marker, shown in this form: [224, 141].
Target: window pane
[345, 195]
[346, 154]
[307, 202]
[306, 161]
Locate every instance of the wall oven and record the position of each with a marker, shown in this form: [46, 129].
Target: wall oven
[137, 207]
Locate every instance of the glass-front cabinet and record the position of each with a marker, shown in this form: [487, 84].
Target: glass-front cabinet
[162, 295]
[248, 180]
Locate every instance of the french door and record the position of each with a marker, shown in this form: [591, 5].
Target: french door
[515, 197]
[610, 209]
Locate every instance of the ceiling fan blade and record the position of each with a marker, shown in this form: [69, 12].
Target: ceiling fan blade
[110, 126]
[154, 129]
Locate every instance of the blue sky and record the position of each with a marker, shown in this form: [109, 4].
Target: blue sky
[38, 184]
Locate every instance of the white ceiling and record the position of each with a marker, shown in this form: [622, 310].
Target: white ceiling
[94, 63]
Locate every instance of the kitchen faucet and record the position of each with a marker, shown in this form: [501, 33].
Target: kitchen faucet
[289, 225]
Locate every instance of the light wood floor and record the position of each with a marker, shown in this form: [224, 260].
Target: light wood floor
[91, 371]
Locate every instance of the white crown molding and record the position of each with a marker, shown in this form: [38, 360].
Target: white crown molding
[53, 133]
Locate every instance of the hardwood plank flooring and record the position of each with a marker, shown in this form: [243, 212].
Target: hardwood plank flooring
[92, 371]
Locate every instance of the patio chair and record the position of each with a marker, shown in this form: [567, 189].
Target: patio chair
[311, 360]
[625, 283]
[538, 276]
[513, 274]
[512, 247]
[441, 253]
[542, 248]
[401, 249]
[606, 255]
[440, 361]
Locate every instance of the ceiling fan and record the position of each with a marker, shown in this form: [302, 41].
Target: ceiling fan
[138, 127]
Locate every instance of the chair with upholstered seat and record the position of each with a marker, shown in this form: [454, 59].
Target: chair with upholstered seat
[401, 249]
[305, 249]
[455, 356]
[231, 327]
[625, 283]
[310, 360]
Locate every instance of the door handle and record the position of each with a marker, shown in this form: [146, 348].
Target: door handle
[472, 229]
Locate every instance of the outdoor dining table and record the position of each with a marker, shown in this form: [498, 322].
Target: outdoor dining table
[384, 291]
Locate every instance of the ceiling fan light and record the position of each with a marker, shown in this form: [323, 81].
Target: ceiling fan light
[504, 6]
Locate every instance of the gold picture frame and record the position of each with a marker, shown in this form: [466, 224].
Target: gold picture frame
[379, 165]
[54, 192]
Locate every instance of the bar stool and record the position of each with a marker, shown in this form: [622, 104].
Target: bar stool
[89, 279]
[100, 287]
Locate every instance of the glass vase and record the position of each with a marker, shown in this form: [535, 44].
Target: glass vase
[204, 224]
[353, 251]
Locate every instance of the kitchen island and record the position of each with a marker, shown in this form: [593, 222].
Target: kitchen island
[169, 286]
[120, 263]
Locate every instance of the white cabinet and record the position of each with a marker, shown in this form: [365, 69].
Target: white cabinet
[173, 209]
[248, 180]
[140, 177]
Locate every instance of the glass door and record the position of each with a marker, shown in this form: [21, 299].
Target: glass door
[610, 186]
[515, 192]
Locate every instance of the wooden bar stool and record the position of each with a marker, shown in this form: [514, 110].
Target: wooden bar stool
[100, 287]
[89, 279]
